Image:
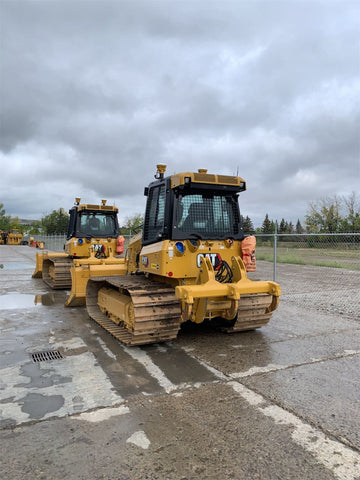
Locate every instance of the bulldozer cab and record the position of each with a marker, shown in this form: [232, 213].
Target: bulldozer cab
[92, 223]
[206, 215]
[205, 209]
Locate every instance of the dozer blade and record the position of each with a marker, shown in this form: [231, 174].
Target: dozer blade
[244, 303]
[84, 269]
[44, 255]
[40, 256]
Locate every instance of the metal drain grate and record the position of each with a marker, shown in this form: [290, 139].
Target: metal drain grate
[46, 356]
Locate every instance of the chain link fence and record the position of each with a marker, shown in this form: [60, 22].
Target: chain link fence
[55, 243]
[320, 271]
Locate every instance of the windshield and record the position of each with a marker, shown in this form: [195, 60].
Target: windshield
[96, 224]
[206, 216]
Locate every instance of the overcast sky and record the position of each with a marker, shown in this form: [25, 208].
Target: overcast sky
[95, 93]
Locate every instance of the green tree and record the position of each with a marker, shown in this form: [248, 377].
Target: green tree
[268, 226]
[247, 225]
[55, 223]
[283, 227]
[351, 222]
[15, 224]
[35, 227]
[299, 228]
[324, 216]
[132, 224]
[5, 220]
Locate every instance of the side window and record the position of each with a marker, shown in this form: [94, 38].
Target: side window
[71, 224]
[155, 213]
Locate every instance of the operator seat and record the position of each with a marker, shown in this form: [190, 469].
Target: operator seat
[94, 224]
[196, 218]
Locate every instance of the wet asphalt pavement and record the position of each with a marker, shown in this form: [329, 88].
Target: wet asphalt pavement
[282, 402]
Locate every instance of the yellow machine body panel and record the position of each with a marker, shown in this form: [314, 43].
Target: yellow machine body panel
[203, 177]
[109, 300]
[101, 208]
[168, 260]
[82, 249]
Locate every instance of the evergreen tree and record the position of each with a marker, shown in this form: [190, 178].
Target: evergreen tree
[282, 226]
[248, 226]
[267, 225]
[299, 228]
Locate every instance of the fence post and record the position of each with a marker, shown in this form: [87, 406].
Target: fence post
[275, 250]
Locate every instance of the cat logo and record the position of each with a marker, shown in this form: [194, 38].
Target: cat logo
[214, 258]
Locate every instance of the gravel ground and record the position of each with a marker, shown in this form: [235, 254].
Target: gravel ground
[332, 290]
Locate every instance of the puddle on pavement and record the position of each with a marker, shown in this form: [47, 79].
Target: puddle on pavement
[15, 266]
[13, 300]
[37, 406]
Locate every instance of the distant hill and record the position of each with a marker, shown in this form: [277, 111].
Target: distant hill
[23, 221]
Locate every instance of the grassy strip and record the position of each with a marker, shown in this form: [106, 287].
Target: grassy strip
[294, 260]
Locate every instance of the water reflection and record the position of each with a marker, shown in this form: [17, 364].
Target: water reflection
[46, 299]
[51, 298]
[15, 300]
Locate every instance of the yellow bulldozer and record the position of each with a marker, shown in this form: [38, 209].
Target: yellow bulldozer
[14, 237]
[188, 264]
[93, 234]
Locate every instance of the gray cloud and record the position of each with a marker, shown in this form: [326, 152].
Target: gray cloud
[95, 93]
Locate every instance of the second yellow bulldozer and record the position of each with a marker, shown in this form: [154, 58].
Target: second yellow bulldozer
[186, 265]
[93, 233]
